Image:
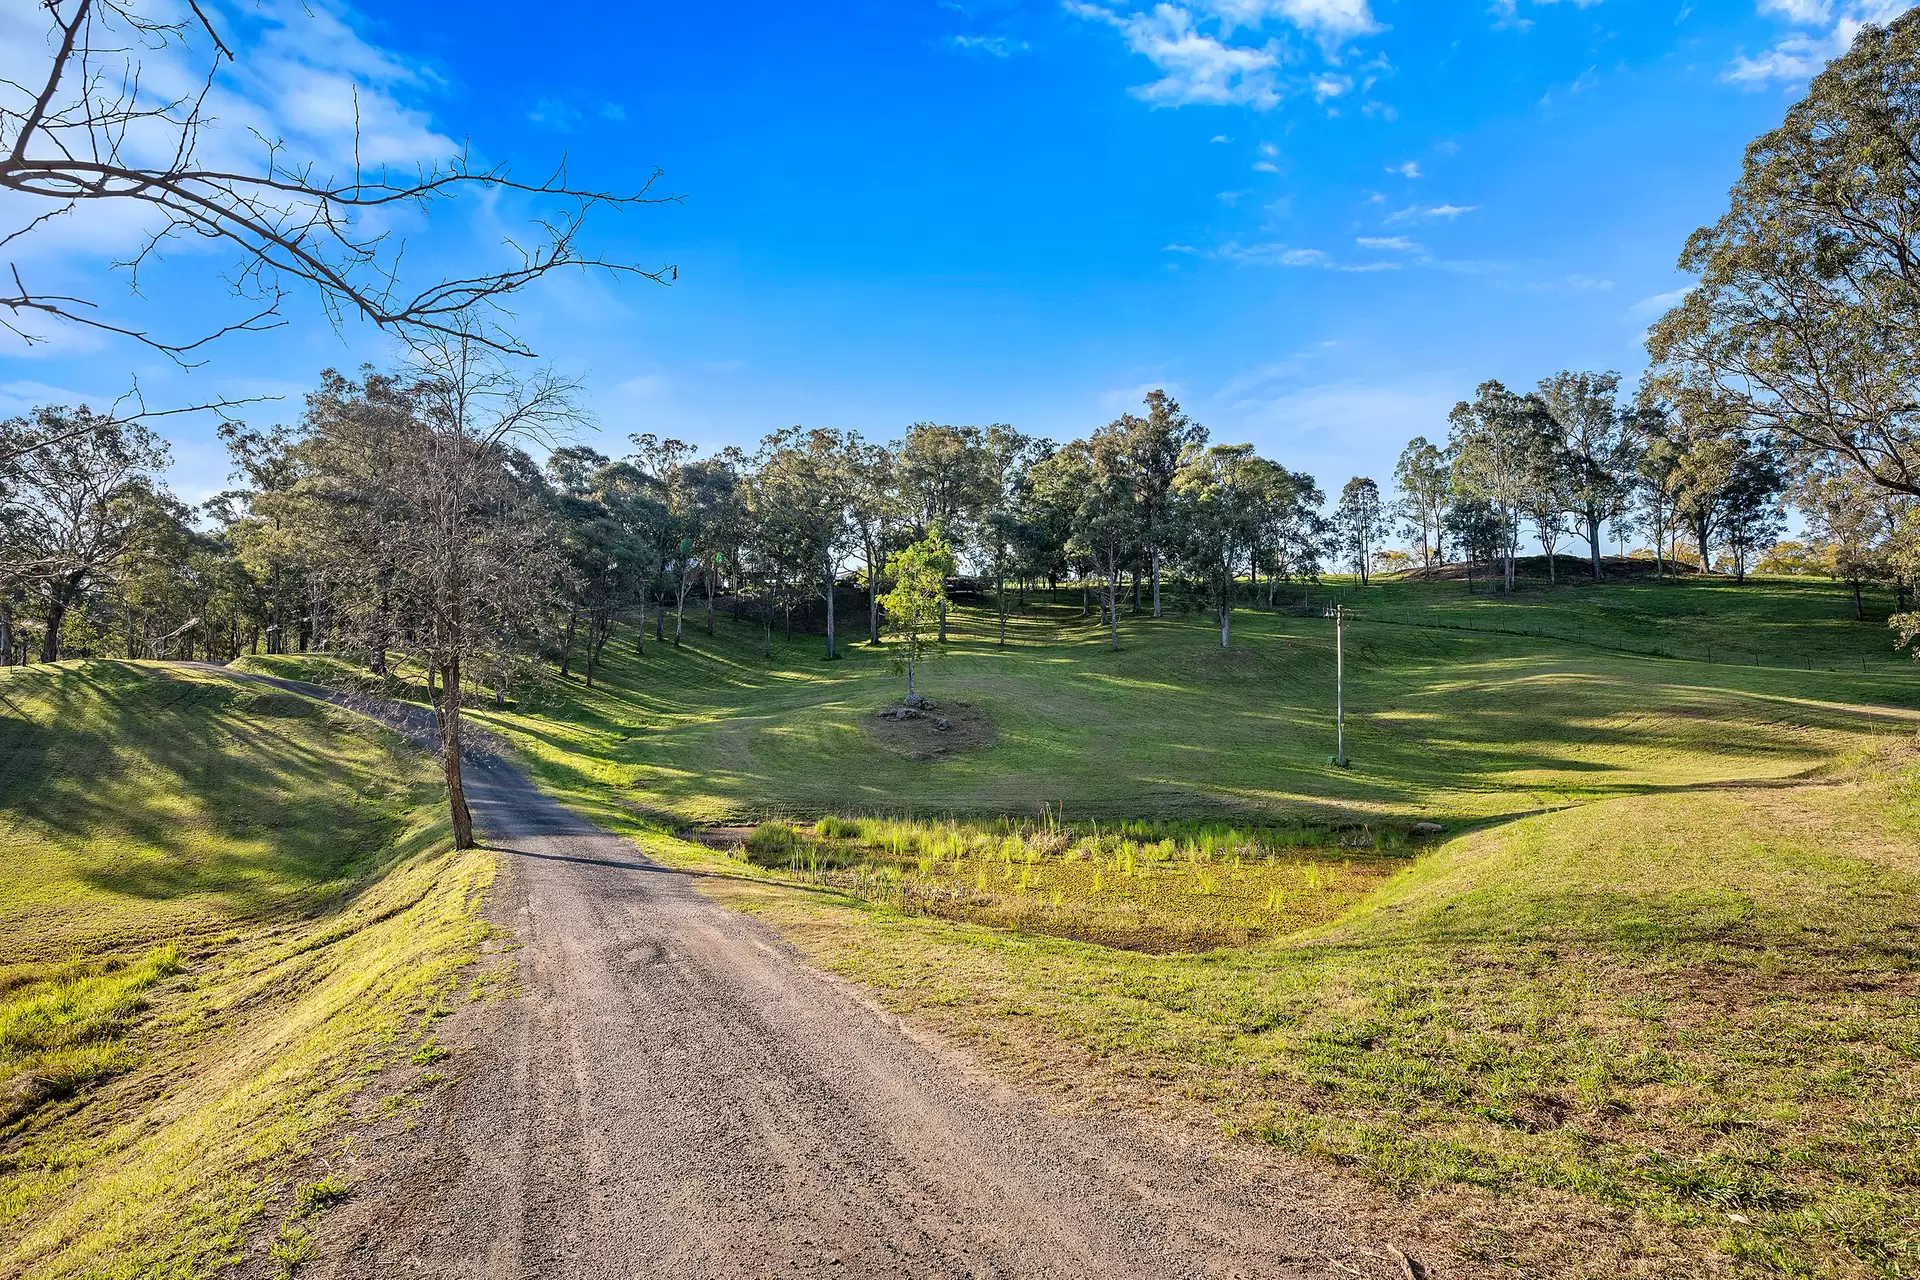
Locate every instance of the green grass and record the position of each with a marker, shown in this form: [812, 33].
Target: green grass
[1445, 724]
[224, 907]
[1652, 1007]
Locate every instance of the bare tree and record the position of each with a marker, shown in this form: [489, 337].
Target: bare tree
[88, 127]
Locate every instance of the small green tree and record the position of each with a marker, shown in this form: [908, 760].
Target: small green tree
[918, 599]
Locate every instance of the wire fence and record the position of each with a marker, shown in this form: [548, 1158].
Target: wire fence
[1716, 652]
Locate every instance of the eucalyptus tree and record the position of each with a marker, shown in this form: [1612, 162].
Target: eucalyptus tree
[806, 483]
[1751, 511]
[1011, 458]
[1421, 477]
[1495, 441]
[702, 505]
[945, 479]
[73, 501]
[1360, 522]
[917, 600]
[1107, 519]
[1153, 450]
[1547, 498]
[1853, 524]
[1598, 449]
[1479, 530]
[1805, 320]
[1056, 486]
[607, 516]
[874, 514]
[1216, 512]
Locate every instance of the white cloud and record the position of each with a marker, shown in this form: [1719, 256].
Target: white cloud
[1398, 243]
[992, 46]
[1198, 67]
[1413, 212]
[1336, 20]
[1657, 305]
[1281, 255]
[1827, 29]
[1411, 169]
[1221, 137]
[1203, 57]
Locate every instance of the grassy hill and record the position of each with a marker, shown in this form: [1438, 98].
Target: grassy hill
[223, 907]
[1651, 1006]
[1444, 723]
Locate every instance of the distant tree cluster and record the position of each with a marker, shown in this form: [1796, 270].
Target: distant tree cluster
[1570, 460]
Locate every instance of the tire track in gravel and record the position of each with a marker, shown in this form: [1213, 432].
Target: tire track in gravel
[676, 1094]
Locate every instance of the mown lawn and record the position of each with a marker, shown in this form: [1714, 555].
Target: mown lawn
[223, 908]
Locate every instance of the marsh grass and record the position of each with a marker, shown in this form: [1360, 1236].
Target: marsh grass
[1139, 885]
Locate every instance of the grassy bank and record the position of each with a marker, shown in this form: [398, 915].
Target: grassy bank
[224, 909]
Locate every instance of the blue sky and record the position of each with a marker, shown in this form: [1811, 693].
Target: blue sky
[1317, 222]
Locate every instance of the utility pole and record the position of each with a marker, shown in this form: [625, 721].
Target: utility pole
[1338, 613]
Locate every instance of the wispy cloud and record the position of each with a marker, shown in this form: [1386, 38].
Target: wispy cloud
[1282, 255]
[1415, 212]
[1220, 52]
[554, 114]
[1411, 169]
[1400, 244]
[992, 46]
[1825, 30]
[1656, 305]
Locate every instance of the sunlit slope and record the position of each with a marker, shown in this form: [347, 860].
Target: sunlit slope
[1443, 723]
[221, 905]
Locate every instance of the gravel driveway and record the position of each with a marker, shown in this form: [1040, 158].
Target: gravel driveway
[677, 1095]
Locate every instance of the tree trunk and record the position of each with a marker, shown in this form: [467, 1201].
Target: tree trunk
[873, 598]
[566, 642]
[1000, 589]
[710, 577]
[1156, 581]
[943, 621]
[50, 643]
[640, 632]
[831, 593]
[450, 757]
[1593, 541]
[1113, 608]
[1226, 613]
[1859, 609]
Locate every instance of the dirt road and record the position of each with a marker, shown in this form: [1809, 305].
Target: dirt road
[677, 1095]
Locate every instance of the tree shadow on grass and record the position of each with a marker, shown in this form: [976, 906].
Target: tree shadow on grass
[163, 787]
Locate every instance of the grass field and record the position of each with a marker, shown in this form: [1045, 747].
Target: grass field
[223, 909]
[1650, 1005]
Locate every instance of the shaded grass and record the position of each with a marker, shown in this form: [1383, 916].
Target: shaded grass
[225, 909]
